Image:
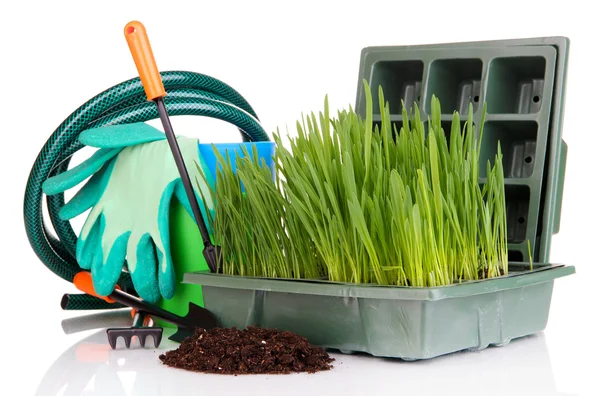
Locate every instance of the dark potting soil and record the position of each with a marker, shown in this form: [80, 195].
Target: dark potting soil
[249, 351]
[481, 275]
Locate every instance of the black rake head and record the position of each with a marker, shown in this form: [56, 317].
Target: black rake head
[129, 332]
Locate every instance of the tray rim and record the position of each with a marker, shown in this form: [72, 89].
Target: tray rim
[542, 274]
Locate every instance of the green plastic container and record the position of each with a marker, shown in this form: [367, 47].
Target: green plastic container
[523, 84]
[399, 322]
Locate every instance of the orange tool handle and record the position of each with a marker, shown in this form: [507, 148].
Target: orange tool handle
[139, 45]
[83, 281]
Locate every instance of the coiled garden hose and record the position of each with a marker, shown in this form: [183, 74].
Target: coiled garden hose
[189, 93]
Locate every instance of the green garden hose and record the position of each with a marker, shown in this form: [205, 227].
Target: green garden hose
[189, 93]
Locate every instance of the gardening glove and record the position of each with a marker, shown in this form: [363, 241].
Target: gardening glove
[134, 179]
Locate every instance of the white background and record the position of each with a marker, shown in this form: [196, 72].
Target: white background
[284, 57]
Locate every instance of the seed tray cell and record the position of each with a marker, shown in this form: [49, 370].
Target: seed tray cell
[517, 209]
[456, 82]
[403, 79]
[516, 85]
[518, 142]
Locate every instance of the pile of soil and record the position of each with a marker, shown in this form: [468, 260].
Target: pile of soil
[249, 351]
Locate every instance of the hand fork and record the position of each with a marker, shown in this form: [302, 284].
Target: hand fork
[197, 317]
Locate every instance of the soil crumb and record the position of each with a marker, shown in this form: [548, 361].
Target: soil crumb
[249, 351]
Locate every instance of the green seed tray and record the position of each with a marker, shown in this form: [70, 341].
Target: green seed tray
[522, 81]
[400, 322]
[523, 84]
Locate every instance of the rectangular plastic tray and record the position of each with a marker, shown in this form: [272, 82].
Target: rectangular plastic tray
[400, 322]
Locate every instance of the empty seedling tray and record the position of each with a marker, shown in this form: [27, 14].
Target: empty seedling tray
[523, 83]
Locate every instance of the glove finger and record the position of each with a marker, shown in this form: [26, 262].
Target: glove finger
[107, 263]
[88, 195]
[88, 242]
[72, 177]
[89, 238]
[120, 135]
[166, 272]
[142, 265]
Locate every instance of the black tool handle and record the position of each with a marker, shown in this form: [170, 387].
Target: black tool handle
[211, 253]
[139, 45]
[139, 305]
[138, 319]
[185, 177]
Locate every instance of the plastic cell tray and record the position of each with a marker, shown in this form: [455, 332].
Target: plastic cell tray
[523, 83]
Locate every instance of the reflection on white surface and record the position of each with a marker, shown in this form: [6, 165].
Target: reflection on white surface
[90, 367]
